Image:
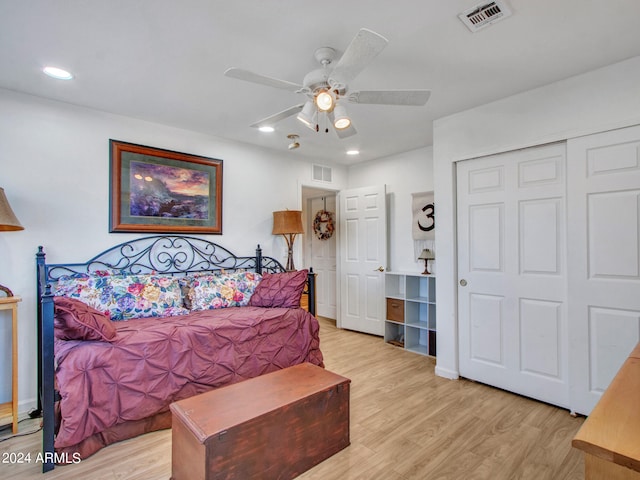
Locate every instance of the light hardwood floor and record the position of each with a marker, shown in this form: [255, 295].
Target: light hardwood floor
[406, 423]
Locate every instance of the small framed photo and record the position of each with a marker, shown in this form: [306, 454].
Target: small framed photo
[162, 191]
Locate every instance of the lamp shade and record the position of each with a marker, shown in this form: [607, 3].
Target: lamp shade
[426, 255]
[8, 219]
[287, 221]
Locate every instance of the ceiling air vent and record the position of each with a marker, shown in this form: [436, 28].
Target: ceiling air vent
[484, 15]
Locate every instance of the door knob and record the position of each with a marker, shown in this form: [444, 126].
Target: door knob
[379, 269]
[463, 283]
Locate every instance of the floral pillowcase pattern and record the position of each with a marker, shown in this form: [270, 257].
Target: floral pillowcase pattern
[122, 297]
[89, 289]
[222, 291]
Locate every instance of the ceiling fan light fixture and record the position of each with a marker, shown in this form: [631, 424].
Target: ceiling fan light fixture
[266, 129]
[324, 101]
[327, 87]
[341, 119]
[342, 122]
[308, 115]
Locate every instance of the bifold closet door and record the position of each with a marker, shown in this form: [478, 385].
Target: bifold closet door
[512, 272]
[604, 259]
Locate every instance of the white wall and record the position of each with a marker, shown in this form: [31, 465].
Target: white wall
[600, 100]
[403, 174]
[54, 164]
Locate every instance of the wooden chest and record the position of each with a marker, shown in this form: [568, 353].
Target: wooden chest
[277, 425]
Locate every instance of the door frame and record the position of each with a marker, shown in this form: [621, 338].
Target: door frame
[305, 248]
[445, 174]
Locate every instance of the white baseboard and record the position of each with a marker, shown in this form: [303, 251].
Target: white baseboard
[446, 373]
[25, 406]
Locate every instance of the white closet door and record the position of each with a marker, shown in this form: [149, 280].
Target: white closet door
[604, 259]
[512, 298]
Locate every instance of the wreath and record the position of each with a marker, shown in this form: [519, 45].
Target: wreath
[323, 225]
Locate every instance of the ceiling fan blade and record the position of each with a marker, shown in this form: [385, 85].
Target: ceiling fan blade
[346, 132]
[275, 118]
[361, 51]
[248, 76]
[390, 97]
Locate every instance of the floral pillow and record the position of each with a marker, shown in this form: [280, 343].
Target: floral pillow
[137, 296]
[122, 297]
[90, 289]
[186, 283]
[280, 290]
[75, 320]
[221, 291]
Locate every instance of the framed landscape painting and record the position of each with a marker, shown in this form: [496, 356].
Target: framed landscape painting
[161, 191]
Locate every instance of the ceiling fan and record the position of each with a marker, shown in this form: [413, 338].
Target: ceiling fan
[327, 88]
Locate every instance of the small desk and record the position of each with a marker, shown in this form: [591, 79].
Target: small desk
[9, 410]
[610, 436]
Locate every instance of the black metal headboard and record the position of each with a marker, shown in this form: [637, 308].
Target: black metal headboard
[161, 254]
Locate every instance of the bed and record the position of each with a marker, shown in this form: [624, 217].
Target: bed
[125, 334]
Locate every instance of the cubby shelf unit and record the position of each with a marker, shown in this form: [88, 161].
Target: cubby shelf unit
[411, 312]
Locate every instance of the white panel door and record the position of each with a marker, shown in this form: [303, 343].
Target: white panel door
[323, 258]
[363, 258]
[604, 259]
[512, 298]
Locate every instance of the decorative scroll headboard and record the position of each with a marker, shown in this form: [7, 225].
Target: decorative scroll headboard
[162, 254]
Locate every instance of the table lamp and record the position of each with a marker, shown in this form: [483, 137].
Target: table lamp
[426, 255]
[8, 222]
[288, 223]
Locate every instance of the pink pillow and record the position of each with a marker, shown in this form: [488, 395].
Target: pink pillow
[75, 320]
[279, 290]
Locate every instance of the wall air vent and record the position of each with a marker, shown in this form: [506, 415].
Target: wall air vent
[320, 173]
[483, 15]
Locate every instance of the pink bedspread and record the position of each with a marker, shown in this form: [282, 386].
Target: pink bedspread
[156, 361]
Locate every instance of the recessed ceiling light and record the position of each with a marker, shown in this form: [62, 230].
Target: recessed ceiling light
[59, 73]
[353, 152]
[266, 129]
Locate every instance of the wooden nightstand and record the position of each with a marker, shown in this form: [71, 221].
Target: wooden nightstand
[9, 410]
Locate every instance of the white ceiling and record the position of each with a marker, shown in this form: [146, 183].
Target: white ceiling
[163, 60]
